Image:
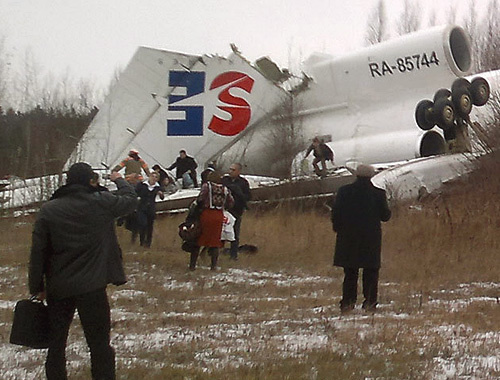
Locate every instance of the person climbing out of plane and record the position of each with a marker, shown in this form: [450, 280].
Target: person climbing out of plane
[185, 164]
[165, 179]
[146, 210]
[133, 164]
[357, 213]
[322, 153]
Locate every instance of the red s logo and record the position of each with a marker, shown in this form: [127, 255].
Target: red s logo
[237, 107]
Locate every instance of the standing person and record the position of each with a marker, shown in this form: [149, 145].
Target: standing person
[146, 211]
[204, 174]
[74, 255]
[322, 153]
[133, 164]
[240, 189]
[185, 164]
[213, 199]
[356, 215]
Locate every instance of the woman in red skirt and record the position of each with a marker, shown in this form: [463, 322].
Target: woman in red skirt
[213, 199]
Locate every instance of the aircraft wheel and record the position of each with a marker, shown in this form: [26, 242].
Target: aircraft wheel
[444, 114]
[442, 93]
[462, 101]
[480, 91]
[460, 83]
[423, 115]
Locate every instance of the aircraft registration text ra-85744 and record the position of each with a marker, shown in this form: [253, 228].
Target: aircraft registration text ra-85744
[404, 64]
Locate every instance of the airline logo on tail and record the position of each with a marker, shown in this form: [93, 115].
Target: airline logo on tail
[193, 83]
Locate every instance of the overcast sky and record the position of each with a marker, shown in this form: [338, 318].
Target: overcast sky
[91, 38]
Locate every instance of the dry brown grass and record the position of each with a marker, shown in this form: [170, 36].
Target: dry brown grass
[439, 296]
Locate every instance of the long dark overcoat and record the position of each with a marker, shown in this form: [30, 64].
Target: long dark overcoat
[356, 215]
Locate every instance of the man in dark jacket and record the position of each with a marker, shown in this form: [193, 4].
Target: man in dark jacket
[321, 153]
[185, 164]
[74, 255]
[240, 190]
[356, 215]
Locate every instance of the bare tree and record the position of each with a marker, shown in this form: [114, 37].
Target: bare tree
[470, 24]
[376, 30]
[452, 14]
[432, 20]
[4, 63]
[29, 85]
[490, 36]
[285, 139]
[409, 20]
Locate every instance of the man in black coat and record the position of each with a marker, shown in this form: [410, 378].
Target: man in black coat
[185, 164]
[356, 215]
[74, 255]
[240, 190]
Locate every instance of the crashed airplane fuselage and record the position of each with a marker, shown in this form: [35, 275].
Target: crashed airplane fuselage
[226, 109]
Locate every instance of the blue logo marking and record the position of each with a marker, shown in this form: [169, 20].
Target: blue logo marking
[192, 125]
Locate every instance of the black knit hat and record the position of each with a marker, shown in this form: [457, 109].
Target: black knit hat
[80, 173]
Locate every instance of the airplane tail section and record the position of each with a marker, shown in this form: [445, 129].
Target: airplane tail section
[167, 101]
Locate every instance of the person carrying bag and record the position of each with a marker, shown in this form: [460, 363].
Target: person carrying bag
[31, 327]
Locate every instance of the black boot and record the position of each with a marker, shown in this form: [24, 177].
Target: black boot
[193, 258]
[214, 255]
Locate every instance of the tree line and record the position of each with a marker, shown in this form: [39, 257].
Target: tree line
[42, 117]
[39, 141]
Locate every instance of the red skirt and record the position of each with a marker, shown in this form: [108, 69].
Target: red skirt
[211, 228]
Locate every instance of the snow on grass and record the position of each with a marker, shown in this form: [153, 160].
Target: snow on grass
[240, 318]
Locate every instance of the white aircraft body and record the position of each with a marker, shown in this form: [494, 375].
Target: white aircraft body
[226, 109]
[369, 106]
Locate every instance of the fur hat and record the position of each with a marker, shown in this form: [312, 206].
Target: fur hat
[365, 171]
[80, 173]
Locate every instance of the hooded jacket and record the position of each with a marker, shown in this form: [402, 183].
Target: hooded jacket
[74, 248]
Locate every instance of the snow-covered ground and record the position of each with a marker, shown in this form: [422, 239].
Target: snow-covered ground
[240, 317]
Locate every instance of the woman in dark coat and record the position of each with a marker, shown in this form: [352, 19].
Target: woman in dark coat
[213, 199]
[146, 211]
[356, 215]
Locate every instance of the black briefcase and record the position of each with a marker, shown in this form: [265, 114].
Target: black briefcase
[31, 326]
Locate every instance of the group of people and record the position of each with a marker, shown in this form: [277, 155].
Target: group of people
[218, 193]
[75, 252]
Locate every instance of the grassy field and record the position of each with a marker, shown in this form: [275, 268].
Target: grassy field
[274, 314]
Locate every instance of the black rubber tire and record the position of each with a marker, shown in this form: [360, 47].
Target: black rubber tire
[480, 91]
[442, 93]
[443, 113]
[458, 83]
[423, 115]
[462, 101]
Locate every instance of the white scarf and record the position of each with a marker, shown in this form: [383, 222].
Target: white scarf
[151, 187]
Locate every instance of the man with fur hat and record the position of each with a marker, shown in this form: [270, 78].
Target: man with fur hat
[357, 212]
[74, 256]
